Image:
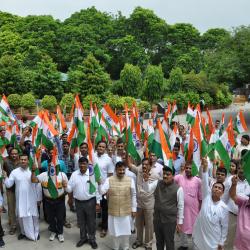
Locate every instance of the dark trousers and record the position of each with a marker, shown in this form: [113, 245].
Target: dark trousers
[1, 230]
[55, 211]
[86, 218]
[104, 206]
[164, 234]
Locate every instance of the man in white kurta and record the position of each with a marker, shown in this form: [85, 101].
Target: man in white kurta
[27, 196]
[210, 228]
[119, 226]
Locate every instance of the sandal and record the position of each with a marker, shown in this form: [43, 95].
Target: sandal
[103, 233]
[136, 245]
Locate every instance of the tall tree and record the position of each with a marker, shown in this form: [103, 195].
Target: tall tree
[131, 79]
[153, 83]
[89, 78]
[47, 79]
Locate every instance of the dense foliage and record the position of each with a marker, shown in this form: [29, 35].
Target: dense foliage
[140, 56]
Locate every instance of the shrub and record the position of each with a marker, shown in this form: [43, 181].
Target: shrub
[114, 101]
[182, 98]
[14, 100]
[207, 98]
[67, 101]
[28, 101]
[49, 102]
[95, 100]
[144, 106]
[127, 100]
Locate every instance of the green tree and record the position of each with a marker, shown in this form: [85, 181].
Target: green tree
[95, 99]
[213, 38]
[10, 42]
[67, 101]
[153, 83]
[49, 102]
[89, 78]
[28, 101]
[14, 100]
[125, 50]
[175, 80]
[14, 78]
[148, 29]
[131, 80]
[47, 79]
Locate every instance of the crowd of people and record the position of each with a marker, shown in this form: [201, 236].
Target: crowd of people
[210, 211]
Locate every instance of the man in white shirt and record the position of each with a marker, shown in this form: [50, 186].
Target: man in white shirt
[85, 202]
[27, 196]
[244, 144]
[83, 152]
[210, 228]
[54, 183]
[107, 169]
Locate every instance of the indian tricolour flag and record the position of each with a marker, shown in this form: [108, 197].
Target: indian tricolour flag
[48, 132]
[102, 131]
[94, 170]
[225, 144]
[61, 124]
[240, 123]
[209, 125]
[94, 124]
[190, 118]
[110, 117]
[199, 145]
[160, 146]
[195, 145]
[246, 166]
[5, 108]
[52, 175]
[131, 147]
[79, 121]
[173, 111]
[172, 138]
[150, 134]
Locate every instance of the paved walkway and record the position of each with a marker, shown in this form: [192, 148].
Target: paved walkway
[71, 236]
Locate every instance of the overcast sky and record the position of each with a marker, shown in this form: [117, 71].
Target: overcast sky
[203, 14]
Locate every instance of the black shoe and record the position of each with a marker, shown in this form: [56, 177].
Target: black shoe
[182, 248]
[93, 244]
[81, 242]
[136, 245]
[21, 236]
[38, 237]
[73, 209]
[2, 244]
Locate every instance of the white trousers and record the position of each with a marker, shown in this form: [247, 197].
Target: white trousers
[29, 227]
[121, 242]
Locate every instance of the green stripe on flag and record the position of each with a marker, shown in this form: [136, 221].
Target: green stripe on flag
[52, 188]
[223, 154]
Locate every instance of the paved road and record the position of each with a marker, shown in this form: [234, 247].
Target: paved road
[232, 110]
[71, 237]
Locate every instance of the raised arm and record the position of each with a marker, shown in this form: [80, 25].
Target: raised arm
[34, 179]
[205, 185]
[232, 190]
[146, 185]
